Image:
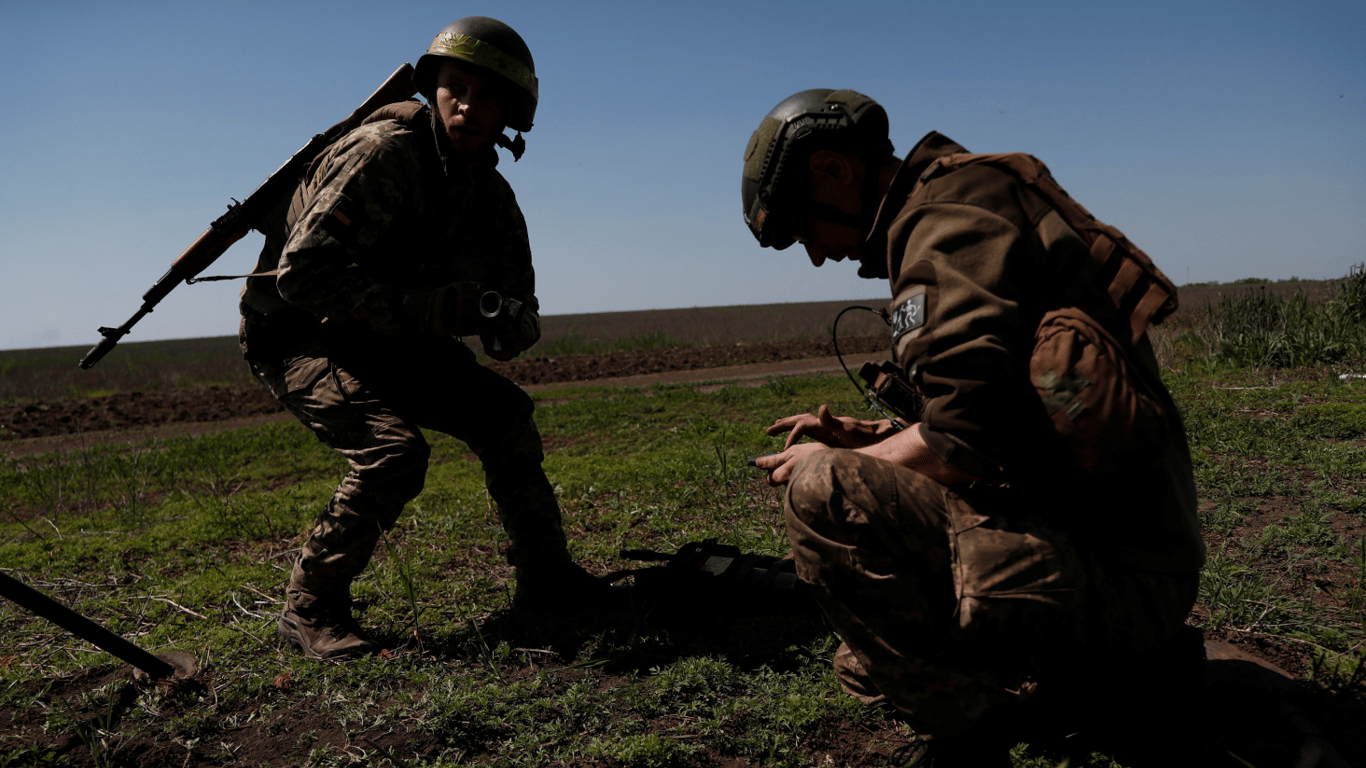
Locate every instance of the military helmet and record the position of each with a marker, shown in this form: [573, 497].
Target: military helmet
[772, 188]
[494, 46]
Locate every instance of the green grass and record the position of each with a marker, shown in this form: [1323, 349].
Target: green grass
[1255, 328]
[1279, 463]
[184, 544]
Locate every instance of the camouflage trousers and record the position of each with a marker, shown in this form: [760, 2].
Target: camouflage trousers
[950, 607]
[371, 407]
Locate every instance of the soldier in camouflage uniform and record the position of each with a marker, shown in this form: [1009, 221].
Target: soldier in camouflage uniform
[975, 562]
[393, 237]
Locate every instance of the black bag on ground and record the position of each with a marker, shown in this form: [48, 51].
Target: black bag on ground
[704, 577]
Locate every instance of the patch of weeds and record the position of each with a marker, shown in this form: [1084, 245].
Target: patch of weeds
[692, 684]
[94, 719]
[1257, 328]
[580, 711]
[1233, 592]
[31, 755]
[1339, 421]
[1310, 527]
[650, 750]
[781, 387]
[476, 714]
[1227, 515]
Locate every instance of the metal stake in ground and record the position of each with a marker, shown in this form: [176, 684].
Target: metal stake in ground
[154, 667]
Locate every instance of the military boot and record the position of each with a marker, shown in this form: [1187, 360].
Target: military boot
[325, 630]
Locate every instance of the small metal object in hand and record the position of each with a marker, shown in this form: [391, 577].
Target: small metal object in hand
[754, 462]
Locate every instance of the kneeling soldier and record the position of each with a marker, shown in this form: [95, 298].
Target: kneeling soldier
[1036, 514]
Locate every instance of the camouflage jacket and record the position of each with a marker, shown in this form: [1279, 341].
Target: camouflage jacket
[377, 224]
[972, 257]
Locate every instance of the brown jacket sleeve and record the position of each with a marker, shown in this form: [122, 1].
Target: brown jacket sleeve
[972, 257]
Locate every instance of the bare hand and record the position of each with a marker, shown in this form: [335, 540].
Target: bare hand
[780, 465]
[830, 430]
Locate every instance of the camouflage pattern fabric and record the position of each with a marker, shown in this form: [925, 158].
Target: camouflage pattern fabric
[956, 603]
[372, 412]
[380, 223]
[344, 336]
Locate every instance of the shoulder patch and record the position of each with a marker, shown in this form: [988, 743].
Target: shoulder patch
[341, 220]
[909, 315]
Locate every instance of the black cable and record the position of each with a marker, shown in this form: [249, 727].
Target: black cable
[835, 340]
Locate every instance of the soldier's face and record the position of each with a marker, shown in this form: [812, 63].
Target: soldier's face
[827, 241]
[470, 105]
[835, 186]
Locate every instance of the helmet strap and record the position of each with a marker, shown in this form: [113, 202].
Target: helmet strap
[872, 173]
[516, 146]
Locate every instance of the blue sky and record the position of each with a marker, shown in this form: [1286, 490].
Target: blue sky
[1226, 139]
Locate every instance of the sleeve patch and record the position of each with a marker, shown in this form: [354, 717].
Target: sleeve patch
[340, 220]
[909, 315]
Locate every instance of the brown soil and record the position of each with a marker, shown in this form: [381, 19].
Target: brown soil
[282, 727]
[1242, 711]
[214, 405]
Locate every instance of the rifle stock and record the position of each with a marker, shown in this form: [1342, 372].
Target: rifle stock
[247, 215]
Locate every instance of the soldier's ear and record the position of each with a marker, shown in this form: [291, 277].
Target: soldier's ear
[831, 164]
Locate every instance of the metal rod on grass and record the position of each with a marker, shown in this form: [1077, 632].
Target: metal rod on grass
[42, 605]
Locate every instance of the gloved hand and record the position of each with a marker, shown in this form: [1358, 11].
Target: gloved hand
[454, 309]
[515, 328]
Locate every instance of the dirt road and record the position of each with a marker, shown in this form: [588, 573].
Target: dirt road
[62, 425]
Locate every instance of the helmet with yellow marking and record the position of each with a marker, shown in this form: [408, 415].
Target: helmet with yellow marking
[491, 45]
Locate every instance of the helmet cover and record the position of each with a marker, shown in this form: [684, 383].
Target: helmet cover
[490, 45]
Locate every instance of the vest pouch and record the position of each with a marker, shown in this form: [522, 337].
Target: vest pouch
[1100, 408]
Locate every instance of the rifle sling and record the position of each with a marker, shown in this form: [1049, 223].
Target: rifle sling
[193, 280]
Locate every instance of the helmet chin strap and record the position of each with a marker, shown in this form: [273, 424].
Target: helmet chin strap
[516, 146]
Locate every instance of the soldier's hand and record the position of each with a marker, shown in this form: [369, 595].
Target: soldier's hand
[454, 309]
[780, 465]
[831, 430]
[506, 340]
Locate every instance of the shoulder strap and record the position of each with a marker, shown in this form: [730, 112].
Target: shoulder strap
[406, 112]
[410, 113]
[1119, 270]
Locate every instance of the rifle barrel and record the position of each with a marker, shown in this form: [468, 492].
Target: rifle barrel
[244, 216]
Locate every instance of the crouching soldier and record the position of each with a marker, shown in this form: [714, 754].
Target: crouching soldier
[393, 238]
[1035, 513]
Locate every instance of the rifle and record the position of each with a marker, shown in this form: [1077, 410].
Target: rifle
[248, 214]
